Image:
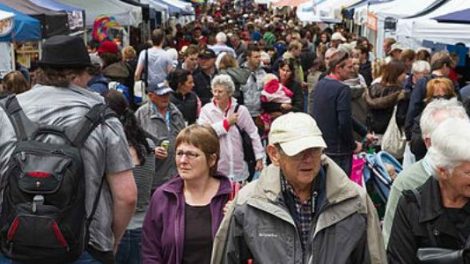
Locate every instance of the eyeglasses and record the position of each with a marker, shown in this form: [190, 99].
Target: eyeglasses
[190, 155]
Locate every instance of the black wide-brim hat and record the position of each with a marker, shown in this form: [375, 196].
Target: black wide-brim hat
[64, 51]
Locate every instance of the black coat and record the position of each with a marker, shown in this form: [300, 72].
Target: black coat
[421, 221]
[187, 104]
[366, 71]
[417, 146]
[202, 86]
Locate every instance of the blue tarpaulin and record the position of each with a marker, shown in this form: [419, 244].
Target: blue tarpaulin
[26, 28]
[460, 17]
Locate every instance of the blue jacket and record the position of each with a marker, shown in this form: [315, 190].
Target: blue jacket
[98, 84]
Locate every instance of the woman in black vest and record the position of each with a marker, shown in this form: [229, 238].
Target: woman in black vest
[181, 81]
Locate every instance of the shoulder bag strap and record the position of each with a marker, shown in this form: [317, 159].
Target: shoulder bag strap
[236, 108]
[146, 67]
[235, 111]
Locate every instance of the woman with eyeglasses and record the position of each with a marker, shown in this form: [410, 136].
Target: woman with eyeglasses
[224, 114]
[436, 89]
[185, 213]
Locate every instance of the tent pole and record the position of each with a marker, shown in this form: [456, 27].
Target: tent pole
[12, 52]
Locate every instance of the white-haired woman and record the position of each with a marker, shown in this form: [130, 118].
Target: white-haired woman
[437, 214]
[221, 115]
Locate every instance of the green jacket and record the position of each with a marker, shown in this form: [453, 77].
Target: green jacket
[259, 225]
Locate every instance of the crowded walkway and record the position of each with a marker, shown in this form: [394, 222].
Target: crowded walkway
[243, 136]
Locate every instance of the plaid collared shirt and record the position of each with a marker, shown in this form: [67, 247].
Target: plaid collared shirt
[303, 211]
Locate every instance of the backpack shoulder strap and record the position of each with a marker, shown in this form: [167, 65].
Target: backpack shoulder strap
[24, 127]
[95, 116]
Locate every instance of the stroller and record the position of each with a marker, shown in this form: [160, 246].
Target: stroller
[380, 170]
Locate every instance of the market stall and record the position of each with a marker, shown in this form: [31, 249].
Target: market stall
[413, 32]
[125, 14]
[52, 22]
[15, 27]
[75, 15]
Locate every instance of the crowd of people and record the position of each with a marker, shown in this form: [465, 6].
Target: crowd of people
[166, 174]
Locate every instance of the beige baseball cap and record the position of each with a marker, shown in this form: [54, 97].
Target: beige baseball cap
[296, 132]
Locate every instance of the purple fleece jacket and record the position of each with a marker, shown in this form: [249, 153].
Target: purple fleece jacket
[163, 228]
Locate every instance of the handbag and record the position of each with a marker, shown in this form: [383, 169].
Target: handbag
[139, 92]
[357, 171]
[248, 152]
[394, 140]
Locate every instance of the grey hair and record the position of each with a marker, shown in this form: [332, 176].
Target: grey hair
[225, 81]
[221, 37]
[420, 66]
[450, 144]
[438, 111]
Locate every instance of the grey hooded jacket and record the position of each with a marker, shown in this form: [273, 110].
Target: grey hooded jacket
[258, 225]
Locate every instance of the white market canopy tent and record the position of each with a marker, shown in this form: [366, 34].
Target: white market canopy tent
[161, 7]
[400, 8]
[413, 31]
[125, 14]
[392, 9]
[177, 6]
[328, 11]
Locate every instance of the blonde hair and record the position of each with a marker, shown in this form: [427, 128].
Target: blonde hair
[227, 61]
[128, 53]
[436, 83]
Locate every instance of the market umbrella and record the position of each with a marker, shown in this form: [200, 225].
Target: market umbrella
[459, 17]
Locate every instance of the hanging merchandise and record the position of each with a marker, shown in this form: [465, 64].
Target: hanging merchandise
[101, 27]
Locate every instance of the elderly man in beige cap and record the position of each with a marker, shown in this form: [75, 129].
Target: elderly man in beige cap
[303, 209]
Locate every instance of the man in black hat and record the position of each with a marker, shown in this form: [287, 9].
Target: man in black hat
[204, 74]
[61, 99]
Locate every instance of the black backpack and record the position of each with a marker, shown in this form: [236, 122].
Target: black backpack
[43, 217]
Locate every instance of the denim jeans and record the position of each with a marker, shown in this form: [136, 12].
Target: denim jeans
[130, 247]
[344, 162]
[85, 258]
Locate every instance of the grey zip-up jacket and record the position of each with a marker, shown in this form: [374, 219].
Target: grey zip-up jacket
[155, 125]
[258, 225]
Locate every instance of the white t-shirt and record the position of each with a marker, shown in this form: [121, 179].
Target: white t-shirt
[158, 63]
